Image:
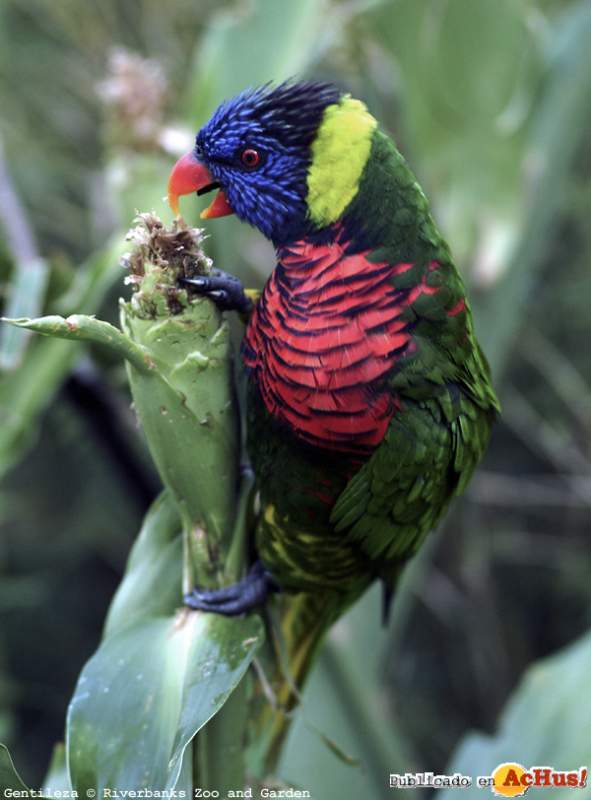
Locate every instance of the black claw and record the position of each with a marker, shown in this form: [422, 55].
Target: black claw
[239, 598]
[226, 291]
[222, 300]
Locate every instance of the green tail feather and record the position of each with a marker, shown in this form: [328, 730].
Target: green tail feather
[298, 624]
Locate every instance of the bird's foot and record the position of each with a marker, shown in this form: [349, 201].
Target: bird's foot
[238, 598]
[225, 290]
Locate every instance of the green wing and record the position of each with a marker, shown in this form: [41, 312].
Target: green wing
[427, 456]
[433, 443]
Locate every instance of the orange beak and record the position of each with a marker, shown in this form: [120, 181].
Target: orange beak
[190, 175]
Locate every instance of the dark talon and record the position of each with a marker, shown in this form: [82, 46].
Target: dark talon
[222, 301]
[226, 291]
[239, 598]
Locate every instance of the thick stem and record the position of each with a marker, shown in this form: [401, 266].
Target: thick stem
[191, 423]
[219, 759]
[187, 414]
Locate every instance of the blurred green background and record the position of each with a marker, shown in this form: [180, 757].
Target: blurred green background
[490, 100]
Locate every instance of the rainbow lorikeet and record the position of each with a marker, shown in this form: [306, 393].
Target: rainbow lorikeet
[369, 402]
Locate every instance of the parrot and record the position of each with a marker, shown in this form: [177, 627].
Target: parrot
[369, 398]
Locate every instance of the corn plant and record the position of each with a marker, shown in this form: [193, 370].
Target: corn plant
[164, 702]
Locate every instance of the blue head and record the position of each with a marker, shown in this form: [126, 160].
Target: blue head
[256, 149]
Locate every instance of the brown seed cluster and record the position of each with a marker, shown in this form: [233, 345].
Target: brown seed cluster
[160, 257]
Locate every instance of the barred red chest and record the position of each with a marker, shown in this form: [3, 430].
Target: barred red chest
[323, 336]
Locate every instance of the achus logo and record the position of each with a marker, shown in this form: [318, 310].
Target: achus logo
[513, 780]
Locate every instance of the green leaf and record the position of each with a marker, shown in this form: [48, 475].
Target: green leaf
[151, 589]
[83, 328]
[9, 777]
[151, 586]
[11, 781]
[57, 778]
[266, 41]
[147, 691]
[544, 723]
[25, 299]
[491, 33]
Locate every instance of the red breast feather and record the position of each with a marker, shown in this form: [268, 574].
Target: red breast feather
[325, 333]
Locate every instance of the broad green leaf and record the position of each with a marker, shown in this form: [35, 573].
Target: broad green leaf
[57, 778]
[151, 586]
[147, 691]
[9, 777]
[267, 41]
[492, 34]
[546, 722]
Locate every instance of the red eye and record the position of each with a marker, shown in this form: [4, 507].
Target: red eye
[250, 158]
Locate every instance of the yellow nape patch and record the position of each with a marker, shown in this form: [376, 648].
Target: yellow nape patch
[339, 155]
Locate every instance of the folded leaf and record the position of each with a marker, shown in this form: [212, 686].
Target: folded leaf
[546, 722]
[9, 777]
[151, 586]
[147, 691]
